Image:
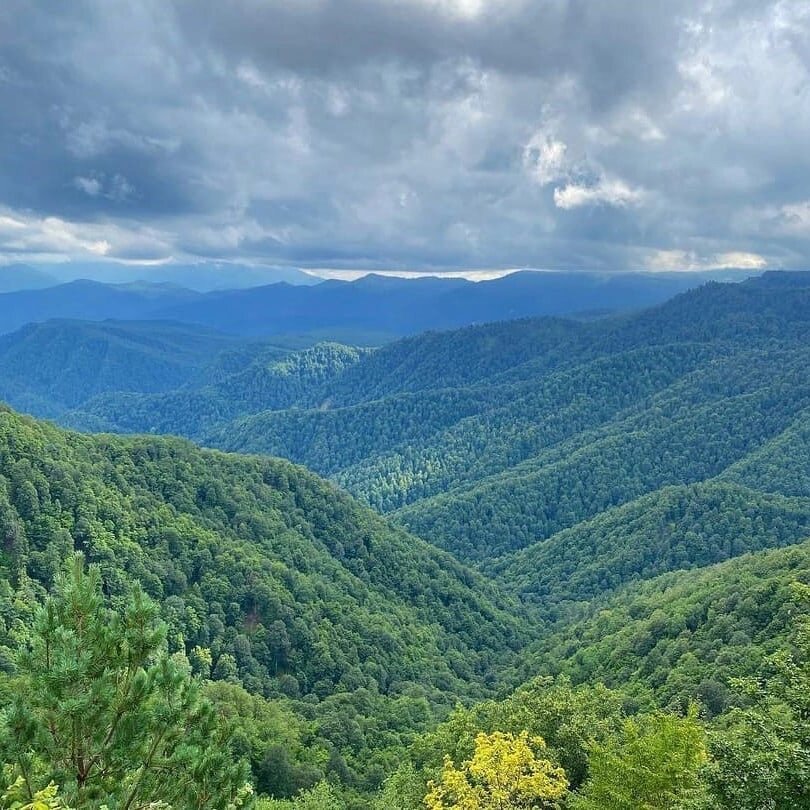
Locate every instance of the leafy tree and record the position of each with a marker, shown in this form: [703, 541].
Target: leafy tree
[402, 790]
[101, 710]
[570, 719]
[17, 798]
[654, 764]
[506, 772]
[763, 751]
[321, 797]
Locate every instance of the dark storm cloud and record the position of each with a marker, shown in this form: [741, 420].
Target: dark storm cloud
[614, 48]
[562, 133]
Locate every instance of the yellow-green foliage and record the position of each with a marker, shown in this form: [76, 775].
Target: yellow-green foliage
[653, 765]
[506, 771]
[17, 798]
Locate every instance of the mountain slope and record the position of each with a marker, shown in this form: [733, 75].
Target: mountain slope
[427, 442]
[50, 367]
[674, 528]
[781, 465]
[234, 384]
[488, 439]
[687, 433]
[681, 635]
[283, 582]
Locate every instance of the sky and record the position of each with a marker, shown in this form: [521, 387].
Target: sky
[441, 135]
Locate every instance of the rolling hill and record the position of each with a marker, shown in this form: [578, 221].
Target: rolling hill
[269, 580]
[624, 501]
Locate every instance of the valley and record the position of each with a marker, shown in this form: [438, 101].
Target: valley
[548, 505]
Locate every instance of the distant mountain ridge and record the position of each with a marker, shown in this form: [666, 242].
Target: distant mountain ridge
[202, 276]
[90, 301]
[24, 277]
[385, 305]
[408, 306]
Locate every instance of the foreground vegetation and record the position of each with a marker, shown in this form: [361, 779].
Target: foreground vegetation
[98, 714]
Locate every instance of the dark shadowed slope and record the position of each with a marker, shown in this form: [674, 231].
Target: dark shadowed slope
[50, 367]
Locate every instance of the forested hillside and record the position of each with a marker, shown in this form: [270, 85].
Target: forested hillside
[685, 635]
[233, 385]
[630, 494]
[266, 576]
[52, 367]
[491, 439]
[126, 364]
[327, 644]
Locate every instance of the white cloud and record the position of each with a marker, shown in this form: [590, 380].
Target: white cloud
[118, 188]
[664, 260]
[740, 259]
[27, 234]
[465, 9]
[89, 185]
[607, 191]
[544, 157]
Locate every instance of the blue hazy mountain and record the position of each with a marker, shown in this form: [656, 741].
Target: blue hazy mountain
[24, 277]
[407, 306]
[90, 301]
[200, 276]
[384, 305]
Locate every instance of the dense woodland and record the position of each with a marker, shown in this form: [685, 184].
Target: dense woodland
[560, 564]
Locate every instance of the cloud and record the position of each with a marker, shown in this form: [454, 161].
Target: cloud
[418, 133]
[89, 185]
[668, 260]
[604, 192]
[49, 236]
[116, 188]
[545, 159]
[795, 218]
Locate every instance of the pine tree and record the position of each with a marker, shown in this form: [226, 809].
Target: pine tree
[102, 711]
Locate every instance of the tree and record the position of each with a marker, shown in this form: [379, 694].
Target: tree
[402, 790]
[17, 798]
[321, 797]
[654, 764]
[506, 772]
[101, 710]
[763, 752]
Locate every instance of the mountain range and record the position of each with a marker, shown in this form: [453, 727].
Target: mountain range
[568, 522]
[382, 307]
